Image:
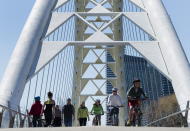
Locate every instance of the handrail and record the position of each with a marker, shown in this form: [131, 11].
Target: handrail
[17, 112]
[173, 114]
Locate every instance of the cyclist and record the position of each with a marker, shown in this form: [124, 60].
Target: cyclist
[114, 102]
[97, 110]
[134, 94]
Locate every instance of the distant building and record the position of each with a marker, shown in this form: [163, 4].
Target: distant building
[153, 82]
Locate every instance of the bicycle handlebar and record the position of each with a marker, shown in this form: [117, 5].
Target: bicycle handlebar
[95, 114]
[114, 106]
[135, 98]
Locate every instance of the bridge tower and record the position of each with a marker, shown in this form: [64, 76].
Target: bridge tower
[97, 32]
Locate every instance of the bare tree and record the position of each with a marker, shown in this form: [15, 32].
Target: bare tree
[164, 106]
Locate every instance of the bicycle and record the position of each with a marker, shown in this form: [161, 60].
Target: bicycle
[96, 120]
[114, 115]
[136, 112]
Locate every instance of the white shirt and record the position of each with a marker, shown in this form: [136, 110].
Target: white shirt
[115, 100]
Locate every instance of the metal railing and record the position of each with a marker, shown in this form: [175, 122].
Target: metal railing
[177, 119]
[15, 118]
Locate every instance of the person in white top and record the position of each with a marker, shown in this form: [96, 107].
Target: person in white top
[115, 99]
[114, 102]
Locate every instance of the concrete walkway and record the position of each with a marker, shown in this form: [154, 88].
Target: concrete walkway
[98, 129]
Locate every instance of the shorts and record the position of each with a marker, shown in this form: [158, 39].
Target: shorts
[133, 103]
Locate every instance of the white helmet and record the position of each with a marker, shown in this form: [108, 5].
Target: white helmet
[114, 89]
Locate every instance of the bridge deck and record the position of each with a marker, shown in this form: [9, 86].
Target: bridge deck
[98, 129]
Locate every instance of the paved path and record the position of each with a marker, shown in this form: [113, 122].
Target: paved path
[98, 129]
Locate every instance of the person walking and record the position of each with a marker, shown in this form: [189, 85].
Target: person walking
[36, 111]
[49, 109]
[57, 119]
[82, 114]
[68, 113]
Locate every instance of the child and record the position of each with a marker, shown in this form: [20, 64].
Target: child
[57, 119]
[36, 111]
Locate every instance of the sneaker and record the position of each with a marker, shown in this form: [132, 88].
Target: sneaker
[128, 123]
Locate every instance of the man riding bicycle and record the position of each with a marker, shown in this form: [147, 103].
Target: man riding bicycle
[134, 96]
[114, 102]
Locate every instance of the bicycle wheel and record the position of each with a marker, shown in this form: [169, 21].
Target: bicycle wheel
[139, 118]
[133, 121]
[96, 120]
[117, 120]
[113, 120]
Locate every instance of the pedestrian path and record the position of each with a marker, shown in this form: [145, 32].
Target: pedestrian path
[98, 129]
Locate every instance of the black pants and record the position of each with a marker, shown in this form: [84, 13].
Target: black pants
[36, 121]
[114, 110]
[68, 122]
[82, 121]
[57, 122]
[48, 119]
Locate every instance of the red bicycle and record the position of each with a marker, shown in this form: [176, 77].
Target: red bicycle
[136, 113]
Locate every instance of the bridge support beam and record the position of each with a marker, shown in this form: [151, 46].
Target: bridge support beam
[172, 51]
[120, 82]
[77, 82]
[19, 67]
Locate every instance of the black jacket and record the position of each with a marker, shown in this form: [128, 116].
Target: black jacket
[68, 111]
[135, 93]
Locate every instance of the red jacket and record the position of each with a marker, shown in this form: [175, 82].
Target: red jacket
[36, 108]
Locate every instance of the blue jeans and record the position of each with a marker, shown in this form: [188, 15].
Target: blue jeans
[68, 122]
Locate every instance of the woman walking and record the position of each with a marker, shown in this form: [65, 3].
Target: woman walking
[49, 109]
[82, 114]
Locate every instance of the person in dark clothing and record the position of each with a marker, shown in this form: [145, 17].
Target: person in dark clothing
[135, 91]
[49, 109]
[57, 119]
[69, 113]
[36, 111]
[134, 95]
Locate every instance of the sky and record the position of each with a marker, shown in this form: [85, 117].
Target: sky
[13, 14]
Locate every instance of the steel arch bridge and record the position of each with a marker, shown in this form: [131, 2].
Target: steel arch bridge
[81, 49]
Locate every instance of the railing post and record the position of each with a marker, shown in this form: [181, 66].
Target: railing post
[20, 117]
[1, 117]
[29, 122]
[186, 114]
[11, 117]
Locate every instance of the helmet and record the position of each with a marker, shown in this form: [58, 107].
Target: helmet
[37, 98]
[136, 80]
[69, 99]
[98, 100]
[114, 89]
